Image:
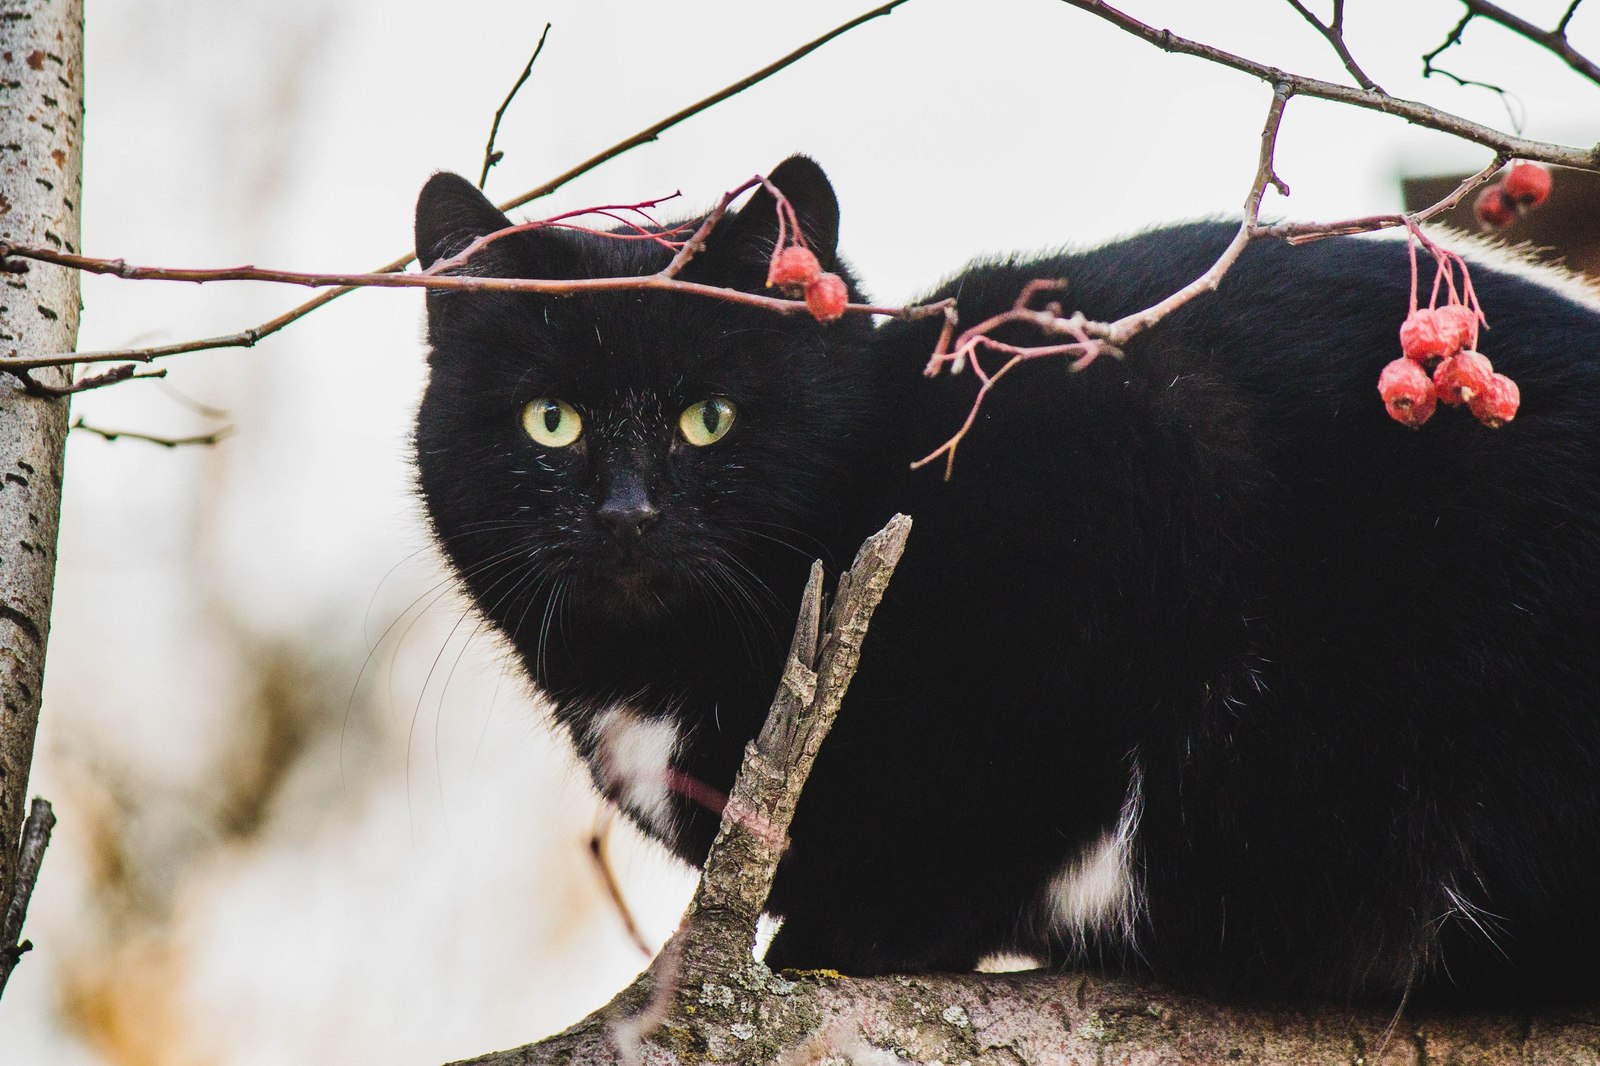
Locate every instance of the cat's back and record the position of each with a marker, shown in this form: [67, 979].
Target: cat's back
[1257, 404]
[1320, 632]
[1233, 489]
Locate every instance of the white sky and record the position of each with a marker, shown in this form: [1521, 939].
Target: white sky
[296, 133]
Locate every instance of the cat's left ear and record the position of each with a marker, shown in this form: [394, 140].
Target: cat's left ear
[451, 214]
[752, 233]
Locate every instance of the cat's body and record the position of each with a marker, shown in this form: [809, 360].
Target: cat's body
[1199, 664]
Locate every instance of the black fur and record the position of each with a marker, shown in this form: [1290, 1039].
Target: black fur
[1353, 666]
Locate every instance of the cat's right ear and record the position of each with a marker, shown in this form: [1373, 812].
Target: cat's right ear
[750, 235]
[451, 214]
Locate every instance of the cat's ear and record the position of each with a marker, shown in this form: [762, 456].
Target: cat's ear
[753, 232]
[451, 214]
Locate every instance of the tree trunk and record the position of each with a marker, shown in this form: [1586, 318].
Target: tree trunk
[41, 139]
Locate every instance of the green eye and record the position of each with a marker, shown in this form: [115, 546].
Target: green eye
[552, 422]
[707, 422]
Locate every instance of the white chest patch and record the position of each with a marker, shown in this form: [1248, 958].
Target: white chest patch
[634, 755]
[1097, 892]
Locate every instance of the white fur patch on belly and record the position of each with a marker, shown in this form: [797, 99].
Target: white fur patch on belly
[1097, 892]
[634, 754]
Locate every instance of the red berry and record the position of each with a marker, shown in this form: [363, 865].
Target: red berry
[827, 297]
[1527, 184]
[1420, 337]
[1407, 392]
[794, 267]
[1443, 385]
[1497, 404]
[1494, 209]
[1460, 379]
[1457, 325]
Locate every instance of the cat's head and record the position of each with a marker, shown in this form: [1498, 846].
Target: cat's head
[634, 457]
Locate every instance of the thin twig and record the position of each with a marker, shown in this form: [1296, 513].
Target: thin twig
[1514, 110]
[645, 136]
[490, 156]
[1334, 32]
[1572, 9]
[203, 439]
[1093, 338]
[659, 282]
[608, 879]
[114, 376]
[1418, 114]
[35, 838]
[1303, 232]
[249, 338]
[1554, 41]
[1451, 39]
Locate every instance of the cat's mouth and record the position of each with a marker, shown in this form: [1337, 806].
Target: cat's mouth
[636, 585]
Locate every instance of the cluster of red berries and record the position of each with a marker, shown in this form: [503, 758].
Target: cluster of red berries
[1440, 339]
[796, 271]
[1526, 185]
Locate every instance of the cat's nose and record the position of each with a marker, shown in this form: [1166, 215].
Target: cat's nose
[627, 510]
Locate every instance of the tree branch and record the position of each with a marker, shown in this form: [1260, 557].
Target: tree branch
[490, 156]
[1334, 32]
[199, 439]
[661, 282]
[1418, 114]
[249, 338]
[1554, 41]
[30, 856]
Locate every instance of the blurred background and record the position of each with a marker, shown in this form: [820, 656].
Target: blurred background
[308, 810]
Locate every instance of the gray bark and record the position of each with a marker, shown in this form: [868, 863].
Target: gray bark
[41, 138]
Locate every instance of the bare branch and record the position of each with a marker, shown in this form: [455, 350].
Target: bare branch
[248, 338]
[204, 439]
[490, 156]
[1303, 232]
[1093, 338]
[1418, 114]
[114, 376]
[30, 857]
[1334, 32]
[660, 282]
[650, 133]
[602, 865]
[1554, 41]
[1572, 9]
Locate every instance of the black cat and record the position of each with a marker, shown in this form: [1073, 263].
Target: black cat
[1199, 665]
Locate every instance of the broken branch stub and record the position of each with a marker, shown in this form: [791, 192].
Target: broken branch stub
[743, 860]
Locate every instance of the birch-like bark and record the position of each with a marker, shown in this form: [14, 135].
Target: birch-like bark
[41, 140]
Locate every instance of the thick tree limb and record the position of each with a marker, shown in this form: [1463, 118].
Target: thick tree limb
[41, 112]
